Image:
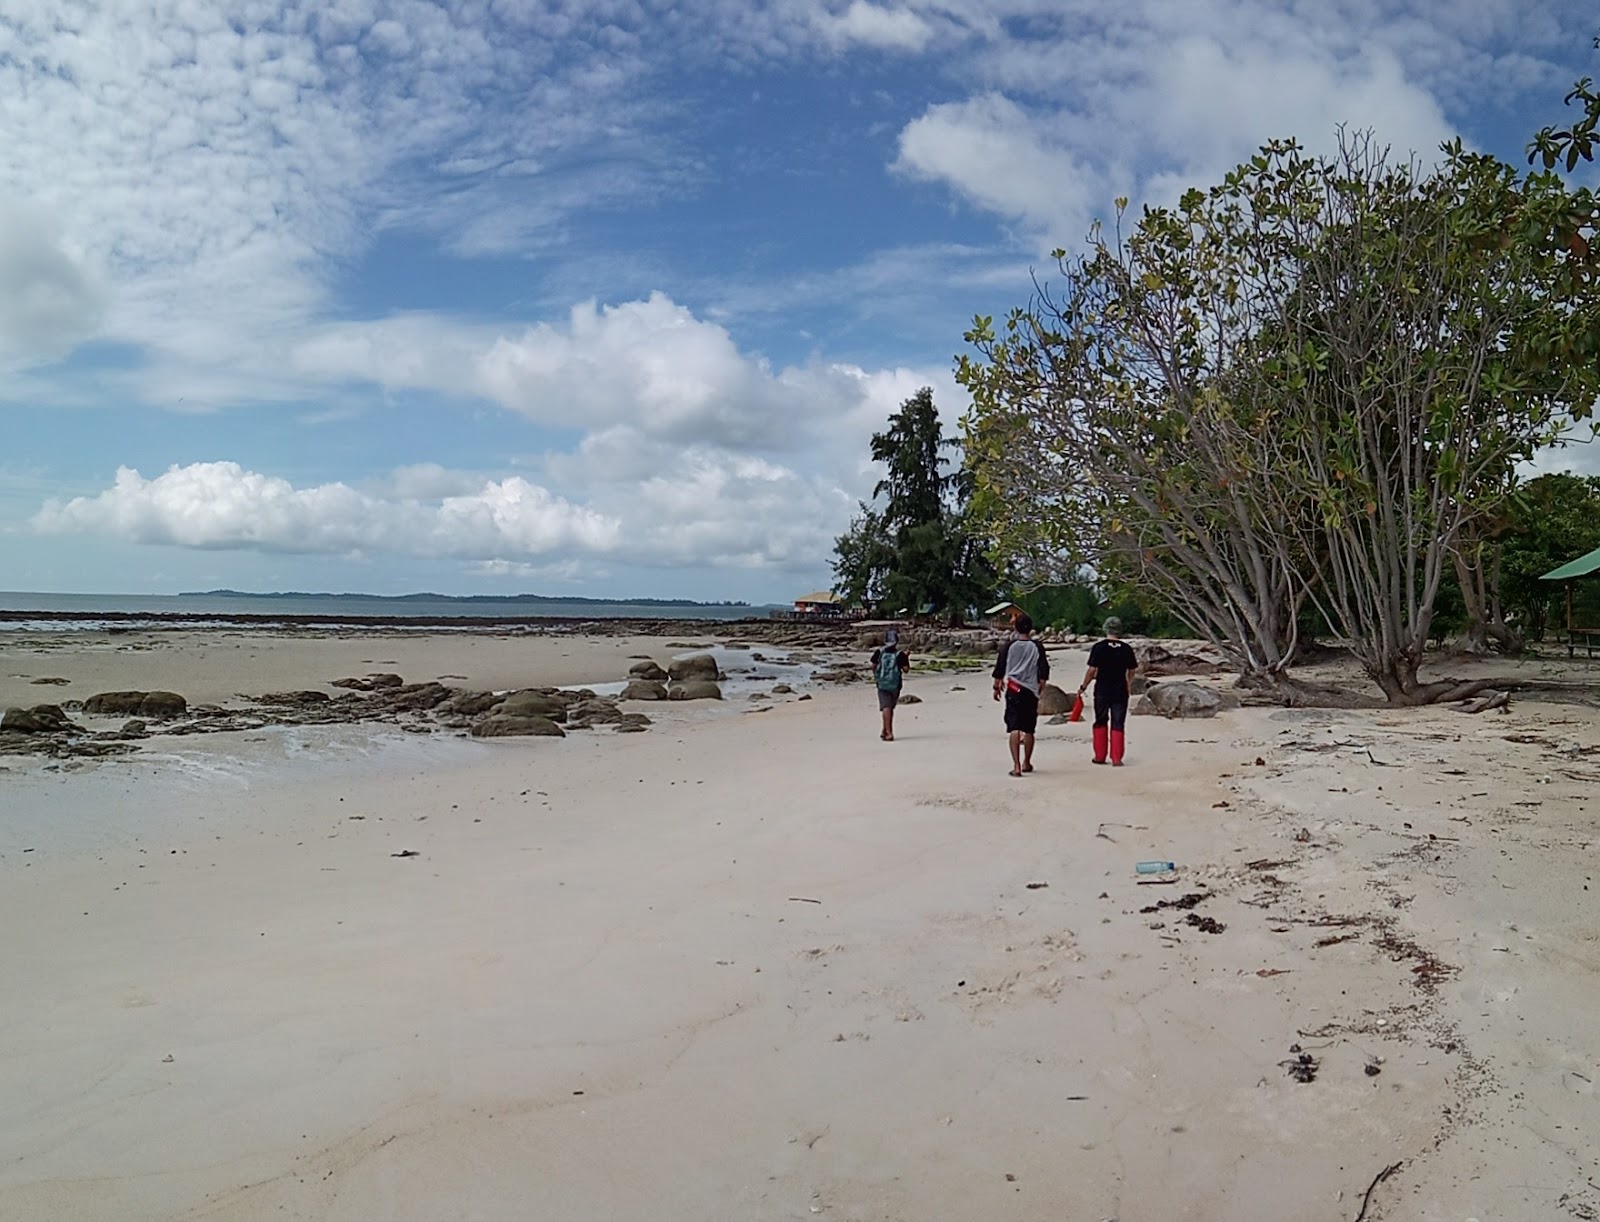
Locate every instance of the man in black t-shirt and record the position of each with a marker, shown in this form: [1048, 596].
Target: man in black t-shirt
[1111, 663]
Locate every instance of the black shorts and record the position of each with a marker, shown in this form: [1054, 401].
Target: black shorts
[888, 698]
[1022, 711]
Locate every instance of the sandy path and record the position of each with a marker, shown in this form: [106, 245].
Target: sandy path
[598, 994]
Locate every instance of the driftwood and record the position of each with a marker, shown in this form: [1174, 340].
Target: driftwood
[1376, 1180]
[1494, 700]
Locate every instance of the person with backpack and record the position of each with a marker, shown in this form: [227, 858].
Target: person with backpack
[1111, 663]
[1020, 673]
[889, 665]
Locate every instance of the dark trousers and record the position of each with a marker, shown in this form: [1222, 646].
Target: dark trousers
[1111, 709]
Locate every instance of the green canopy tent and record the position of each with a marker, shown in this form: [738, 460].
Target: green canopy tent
[1568, 574]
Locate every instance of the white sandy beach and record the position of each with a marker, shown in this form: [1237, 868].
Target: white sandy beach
[763, 966]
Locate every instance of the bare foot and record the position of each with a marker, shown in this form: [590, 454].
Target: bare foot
[1027, 767]
[1013, 772]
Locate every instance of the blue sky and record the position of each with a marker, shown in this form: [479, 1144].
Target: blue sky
[594, 297]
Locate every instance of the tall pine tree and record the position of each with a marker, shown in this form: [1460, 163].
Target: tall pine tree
[917, 551]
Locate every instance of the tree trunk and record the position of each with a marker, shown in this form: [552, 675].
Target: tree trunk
[1480, 593]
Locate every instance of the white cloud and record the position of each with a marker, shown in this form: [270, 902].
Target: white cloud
[1000, 158]
[223, 505]
[881, 26]
[649, 366]
[1149, 97]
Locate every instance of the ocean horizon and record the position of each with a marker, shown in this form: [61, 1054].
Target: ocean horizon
[38, 610]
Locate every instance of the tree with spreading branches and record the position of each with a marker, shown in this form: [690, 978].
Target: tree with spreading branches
[1307, 389]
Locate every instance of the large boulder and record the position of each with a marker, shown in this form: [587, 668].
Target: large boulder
[136, 704]
[644, 689]
[598, 709]
[532, 704]
[1052, 700]
[40, 719]
[697, 667]
[1182, 699]
[500, 726]
[699, 689]
[649, 671]
[471, 704]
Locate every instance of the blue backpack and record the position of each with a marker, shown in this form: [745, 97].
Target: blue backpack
[888, 669]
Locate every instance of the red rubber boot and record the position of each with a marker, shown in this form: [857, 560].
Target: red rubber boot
[1119, 744]
[1100, 744]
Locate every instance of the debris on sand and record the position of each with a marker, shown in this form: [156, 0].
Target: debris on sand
[1183, 901]
[1302, 1067]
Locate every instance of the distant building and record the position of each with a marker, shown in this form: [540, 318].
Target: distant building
[1003, 615]
[821, 603]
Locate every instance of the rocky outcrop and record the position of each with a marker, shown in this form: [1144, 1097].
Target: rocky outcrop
[694, 689]
[532, 702]
[594, 711]
[153, 705]
[471, 704]
[697, 667]
[501, 726]
[40, 719]
[644, 689]
[295, 698]
[650, 671]
[1179, 700]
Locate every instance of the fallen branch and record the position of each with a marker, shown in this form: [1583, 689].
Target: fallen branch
[803, 899]
[1494, 700]
[1376, 1180]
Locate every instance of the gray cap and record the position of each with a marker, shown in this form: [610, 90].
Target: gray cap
[1113, 626]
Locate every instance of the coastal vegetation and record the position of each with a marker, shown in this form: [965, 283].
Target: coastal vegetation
[1301, 400]
[914, 549]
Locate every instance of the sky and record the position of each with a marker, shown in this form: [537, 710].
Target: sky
[597, 297]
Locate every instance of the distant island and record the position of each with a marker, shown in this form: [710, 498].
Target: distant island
[468, 598]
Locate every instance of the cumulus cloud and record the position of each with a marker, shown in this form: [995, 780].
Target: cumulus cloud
[700, 506]
[649, 366]
[221, 505]
[1000, 158]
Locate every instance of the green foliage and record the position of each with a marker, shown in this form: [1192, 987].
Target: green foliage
[1072, 607]
[1555, 518]
[920, 549]
[1306, 389]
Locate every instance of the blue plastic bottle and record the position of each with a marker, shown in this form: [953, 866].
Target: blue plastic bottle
[1155, 867]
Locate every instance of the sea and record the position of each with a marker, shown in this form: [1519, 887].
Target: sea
[38, 612]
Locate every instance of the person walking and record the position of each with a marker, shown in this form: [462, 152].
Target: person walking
[1020, 672]
[889, 666]
[1111, 663]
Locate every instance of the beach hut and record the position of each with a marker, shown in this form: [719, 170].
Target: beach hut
[1003, 615]
[1569, 574]
[820, 603]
